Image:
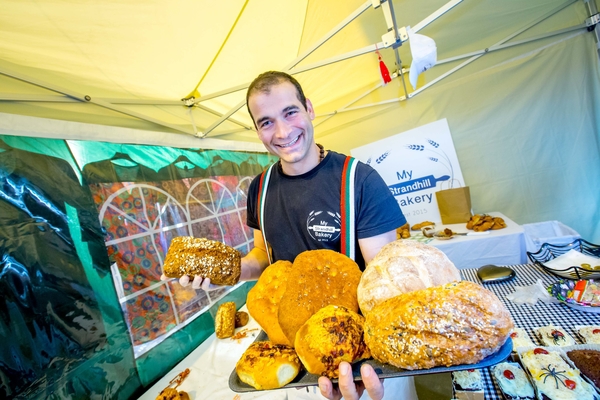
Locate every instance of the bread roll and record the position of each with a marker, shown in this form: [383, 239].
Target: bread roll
[332, 335]
[400, 267]
[199, 256]
[268, 366]
[318, 278]
[452, 324]
[225, 320]
[263, 300]
[241, 319]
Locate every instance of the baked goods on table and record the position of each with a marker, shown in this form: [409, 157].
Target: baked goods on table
[512, 381]
[403, 232]
[241, 319]
[173, 394]
[452, 324]
[400, 267]
[467, 384]
[199, 256]
[552, 335]
[417, 227]
[588, 362]
[263, 300]
[320, 278]
[484, 222]
[332, 335]
[268, 366]
[553, 377]
[520, 338]
[590, 334]
[225, 320]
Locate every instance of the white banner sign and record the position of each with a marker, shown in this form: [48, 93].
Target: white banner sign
[416, 164]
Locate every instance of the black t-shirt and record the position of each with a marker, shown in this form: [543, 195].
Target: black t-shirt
[296, 205]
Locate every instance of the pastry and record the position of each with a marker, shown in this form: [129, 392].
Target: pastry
[173, 394]
[320, 278]
[554, 336]
[590, 334]
[225, 320]
[520, 338]
[208, 258]
[400, 267]
[417, 227]
[332, 335]
[588, 362]
[263, 300]
[553, 377]
[453, 324]
[512, 381]
[241, 319]
[268, 366]
[467, 384]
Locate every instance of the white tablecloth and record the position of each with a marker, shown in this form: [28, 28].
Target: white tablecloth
[500, 247]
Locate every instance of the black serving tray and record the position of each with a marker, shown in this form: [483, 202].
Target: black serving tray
[549, 252]
[383, 370]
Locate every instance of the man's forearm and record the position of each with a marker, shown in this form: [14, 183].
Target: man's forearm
[253, 264]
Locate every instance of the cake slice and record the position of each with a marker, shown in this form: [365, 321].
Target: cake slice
[554, 378]
[552, 335]
[588, 362]
[520, 338]
[590, 334]
[512, 381]
[468, 384]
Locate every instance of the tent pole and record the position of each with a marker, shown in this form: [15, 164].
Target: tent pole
[593, 20]
[86, 99]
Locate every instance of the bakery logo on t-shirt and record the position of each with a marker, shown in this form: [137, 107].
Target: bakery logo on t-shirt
[324, 226]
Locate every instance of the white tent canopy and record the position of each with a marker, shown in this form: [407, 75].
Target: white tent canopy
[517, 80]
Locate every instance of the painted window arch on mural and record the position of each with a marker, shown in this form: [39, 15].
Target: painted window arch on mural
[141, 219]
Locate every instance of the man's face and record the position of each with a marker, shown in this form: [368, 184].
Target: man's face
[285, 126]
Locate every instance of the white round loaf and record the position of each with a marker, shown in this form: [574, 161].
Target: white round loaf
[400, 267]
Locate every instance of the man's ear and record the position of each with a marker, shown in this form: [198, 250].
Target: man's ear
[310, 109]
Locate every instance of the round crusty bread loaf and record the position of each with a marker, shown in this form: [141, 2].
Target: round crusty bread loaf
[268, 366]
[332, 335]
[400, 267]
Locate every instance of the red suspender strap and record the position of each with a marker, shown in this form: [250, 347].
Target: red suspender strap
[347, 211]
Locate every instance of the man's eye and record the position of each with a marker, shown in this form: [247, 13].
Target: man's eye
[264, 124]
[291, 113]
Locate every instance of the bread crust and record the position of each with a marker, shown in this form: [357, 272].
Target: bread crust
[268, 366]
[320, 278]
[332, 335]
[225, 320]
[263, 300]
[400, 267]
[199, 256]
[453, 324]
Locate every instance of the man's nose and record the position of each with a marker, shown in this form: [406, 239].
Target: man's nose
[283, 128]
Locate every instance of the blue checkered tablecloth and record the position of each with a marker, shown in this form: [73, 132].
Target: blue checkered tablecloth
[528, 316]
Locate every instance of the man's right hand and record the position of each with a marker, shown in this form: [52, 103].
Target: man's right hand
[198, 282]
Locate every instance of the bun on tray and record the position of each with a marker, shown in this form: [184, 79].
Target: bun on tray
[199, 256]
[263, 300]
[400, 267]
[332, 335]
[268, 366]
[453, 324]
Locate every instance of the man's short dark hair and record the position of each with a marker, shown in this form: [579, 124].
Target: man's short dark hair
[266, 80]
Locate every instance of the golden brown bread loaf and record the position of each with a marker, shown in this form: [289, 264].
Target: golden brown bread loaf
[320, 278]
[268, 366]
[400, 267]
[263, 300]
[199, 256]
[452, 324]
[332, 335]
[225, 320]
